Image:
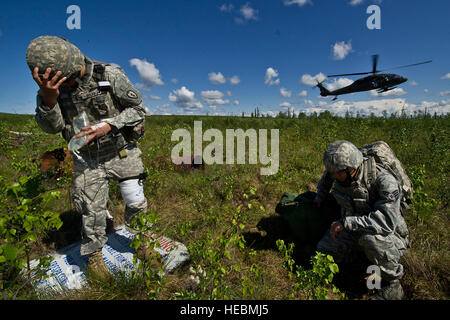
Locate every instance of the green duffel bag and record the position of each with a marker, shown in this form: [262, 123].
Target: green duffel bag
[307, 221]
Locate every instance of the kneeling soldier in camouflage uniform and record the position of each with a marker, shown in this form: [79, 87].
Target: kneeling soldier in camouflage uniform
[71, 85]
[372, 221]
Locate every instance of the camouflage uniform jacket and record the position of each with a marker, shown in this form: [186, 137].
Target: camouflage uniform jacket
[120, 105]
[373, 209]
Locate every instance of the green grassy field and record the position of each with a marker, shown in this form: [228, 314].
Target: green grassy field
[225, 214]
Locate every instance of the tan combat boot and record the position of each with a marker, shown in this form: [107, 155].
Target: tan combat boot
[97, 267]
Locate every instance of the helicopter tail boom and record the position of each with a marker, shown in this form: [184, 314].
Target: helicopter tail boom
[323, 91]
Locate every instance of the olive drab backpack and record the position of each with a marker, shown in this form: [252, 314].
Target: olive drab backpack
[383, 155]
[307, 222]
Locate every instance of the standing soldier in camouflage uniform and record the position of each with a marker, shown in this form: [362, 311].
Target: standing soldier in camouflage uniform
[72, 84]
[371, 216]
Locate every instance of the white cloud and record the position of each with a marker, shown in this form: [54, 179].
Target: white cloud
[309, 80]
[355, 2]
[341, 50]
[147, 111]
[219, 78]
[163, 106]
[270, 77]
[309, 103]
[235, 80]
[275, 82]
[216, 78]
[338, 83]
[174, 80]
[142, 86]
[226, 7]
[300, 3]
[425, 90]
[155, 97]
[185, 99]
[244, 14]
[303, 93]
[413, 83]
[285, 105]
[147, 71]
[248, 13]
[214, 98]
[445, 93]
[447, 76]
[391, 93]
[229, 93]
[269, 113]
[162, 109]
[184, 112]
[285, 93]
[393, 105]
[236, 102]
[442, 107]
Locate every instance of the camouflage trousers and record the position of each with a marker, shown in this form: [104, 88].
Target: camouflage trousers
[383, 251]
[90, 192]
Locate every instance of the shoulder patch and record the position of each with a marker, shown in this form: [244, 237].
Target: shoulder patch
[391, 195]
[131, 94]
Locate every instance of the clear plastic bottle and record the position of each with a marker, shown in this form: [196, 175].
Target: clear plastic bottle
[79, 122]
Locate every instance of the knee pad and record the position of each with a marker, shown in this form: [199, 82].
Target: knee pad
[133, 195]
[132, 192]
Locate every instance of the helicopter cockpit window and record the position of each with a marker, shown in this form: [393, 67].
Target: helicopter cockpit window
[376, 83]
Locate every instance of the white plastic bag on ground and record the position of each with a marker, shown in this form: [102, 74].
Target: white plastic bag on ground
[67, 270]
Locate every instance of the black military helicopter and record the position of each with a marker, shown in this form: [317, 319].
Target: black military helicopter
[382, 82]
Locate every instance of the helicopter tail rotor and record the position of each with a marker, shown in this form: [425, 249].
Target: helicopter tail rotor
[323, 91]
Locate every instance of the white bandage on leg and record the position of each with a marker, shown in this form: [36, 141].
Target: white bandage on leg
[132, 192]
[108, 215]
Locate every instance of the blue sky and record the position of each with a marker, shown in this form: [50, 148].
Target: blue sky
[228, 57]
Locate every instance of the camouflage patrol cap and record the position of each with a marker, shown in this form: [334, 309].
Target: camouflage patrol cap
[56, 53]
[342, 154]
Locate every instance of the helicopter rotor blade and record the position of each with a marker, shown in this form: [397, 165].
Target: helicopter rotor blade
[374, 68]
[374, 63]
[348, 74]
[409, 65]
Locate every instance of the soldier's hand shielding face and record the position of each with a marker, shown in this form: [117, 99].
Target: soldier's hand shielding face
[48, 88]
[340, 176]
